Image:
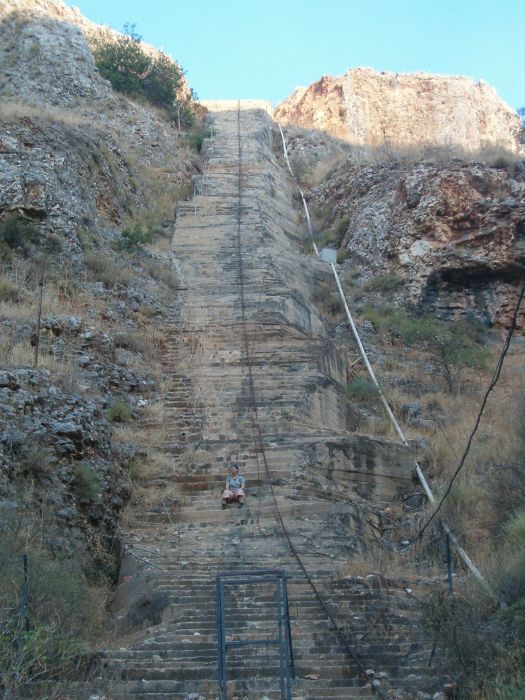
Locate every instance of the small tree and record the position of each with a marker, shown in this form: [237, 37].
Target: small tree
[122, 61]
[129, 69]
[456, 351]
[163, 82]
[455, 347]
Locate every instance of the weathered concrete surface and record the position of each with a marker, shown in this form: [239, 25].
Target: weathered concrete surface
[325, 480]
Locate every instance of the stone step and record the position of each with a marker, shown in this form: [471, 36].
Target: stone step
[299, 389]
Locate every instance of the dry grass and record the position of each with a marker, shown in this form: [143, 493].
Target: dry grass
[322, 169]
[154, 496]
[163, 244]
[110, 272]
[57, 299]
[16, 353]
[27, 308]
[146, 342]
[13, 110]
[496, 156]
[194, 458]
[155, 411]
[163, 273]
[151, 466]
[396, 565]
[489, 488]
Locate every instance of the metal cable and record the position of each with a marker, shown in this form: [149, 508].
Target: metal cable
[493, 382]
[340, 634]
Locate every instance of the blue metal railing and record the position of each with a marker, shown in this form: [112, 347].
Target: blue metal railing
[282, 642]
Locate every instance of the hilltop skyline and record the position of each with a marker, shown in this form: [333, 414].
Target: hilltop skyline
[247, 50]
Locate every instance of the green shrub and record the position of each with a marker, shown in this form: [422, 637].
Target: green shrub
[384, 283]
[132, 71]
[134, 467]
[362, 389]
[323, 213]
[378, 316]
[333, 237]
[328, 299]
[342, 255]
[6, 254]
[52, 244]
[307, 246]
[195, 139]
[515, 528]
[454, 347]
[134, 236]
[17, 234]
[119, 412]
[351, 275]
[457, 348]
[9, 291]
[86, 482]
[340, 228]
[37, 460]
[486, 642]
[106, 271]
[412, 330]
[64, 614]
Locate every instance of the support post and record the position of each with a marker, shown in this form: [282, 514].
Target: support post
[39, 315]
[449, 563]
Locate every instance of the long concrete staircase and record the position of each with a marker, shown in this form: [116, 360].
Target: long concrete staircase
[253, 377]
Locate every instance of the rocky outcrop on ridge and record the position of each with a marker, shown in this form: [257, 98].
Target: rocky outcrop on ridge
[42, 10]
[453, 232]
[50, 76]
[368, 108]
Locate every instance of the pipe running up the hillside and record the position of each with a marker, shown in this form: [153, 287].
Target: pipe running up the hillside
[424, 483]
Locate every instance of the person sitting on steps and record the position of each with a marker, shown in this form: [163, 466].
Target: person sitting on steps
[234, 491]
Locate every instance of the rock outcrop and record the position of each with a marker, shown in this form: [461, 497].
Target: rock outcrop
[79, 165]
[45, 10]
[453, 231]
[60, 122]
[367, 108]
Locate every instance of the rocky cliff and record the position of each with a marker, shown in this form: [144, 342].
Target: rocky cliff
[89, 182]
[58, 11]
[454, 232]
[364, 107]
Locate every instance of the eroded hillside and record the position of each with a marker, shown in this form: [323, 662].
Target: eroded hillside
[430, 253]
[89, 183]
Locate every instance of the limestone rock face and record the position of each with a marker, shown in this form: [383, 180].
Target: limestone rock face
[48, 61]
[453, 231]
[73, 151]
[364, 107]
[59, 12]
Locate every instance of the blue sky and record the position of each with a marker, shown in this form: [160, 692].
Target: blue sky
[264, 48]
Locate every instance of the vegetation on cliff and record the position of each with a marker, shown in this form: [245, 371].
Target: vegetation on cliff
[132, 70]
[434, 356]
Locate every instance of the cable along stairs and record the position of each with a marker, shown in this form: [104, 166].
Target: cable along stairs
[253, 377]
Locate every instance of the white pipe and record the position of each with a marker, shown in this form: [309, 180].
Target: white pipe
[464, 556]
[300, 192]
[385, 403]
